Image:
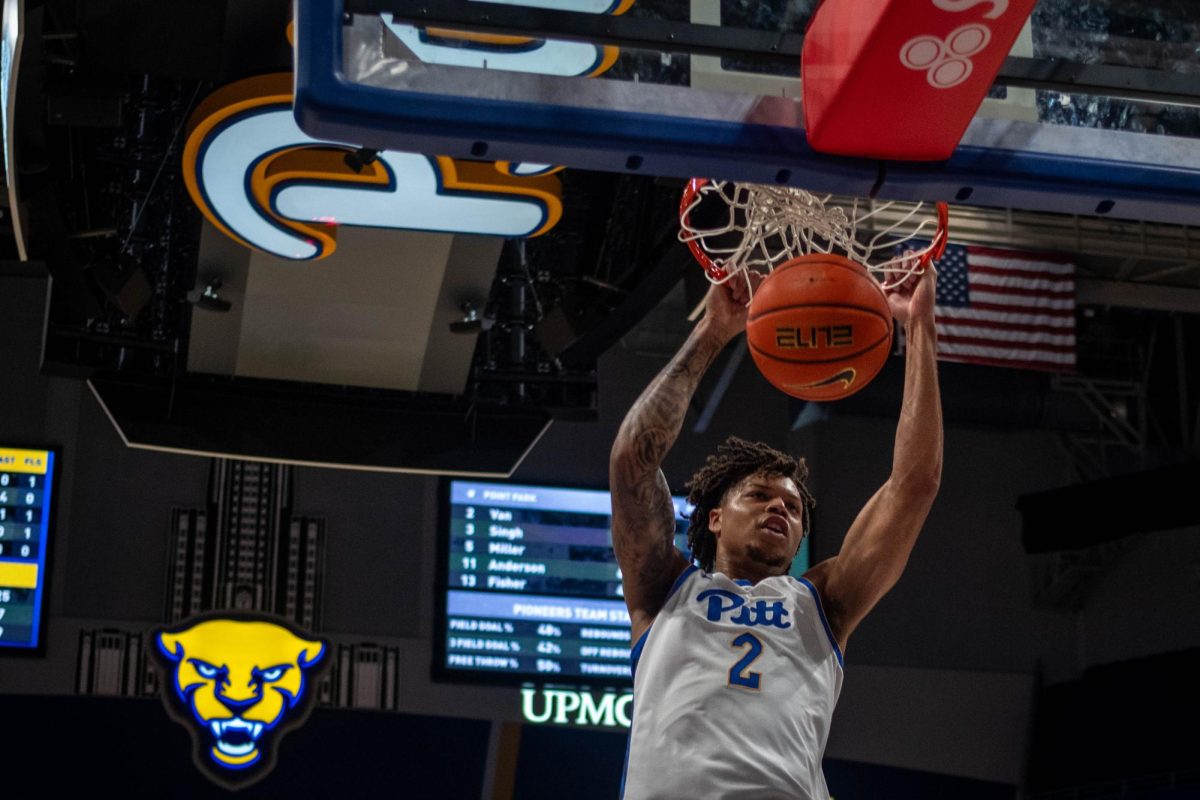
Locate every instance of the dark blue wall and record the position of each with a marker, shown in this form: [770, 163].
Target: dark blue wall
[69, 746]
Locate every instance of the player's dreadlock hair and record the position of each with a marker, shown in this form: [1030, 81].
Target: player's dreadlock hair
[737, 459]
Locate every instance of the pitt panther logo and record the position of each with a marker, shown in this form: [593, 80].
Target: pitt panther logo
[238, 682]
[760, 612]
[817, 336]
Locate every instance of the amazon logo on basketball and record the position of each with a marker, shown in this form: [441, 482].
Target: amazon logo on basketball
[813, 337]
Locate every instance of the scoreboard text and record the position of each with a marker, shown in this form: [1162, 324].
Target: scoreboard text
[533, 586]
[25, 478]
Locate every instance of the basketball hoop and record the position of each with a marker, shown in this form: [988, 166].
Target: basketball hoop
[762, 227]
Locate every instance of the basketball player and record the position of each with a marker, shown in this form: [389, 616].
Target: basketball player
[737, 665]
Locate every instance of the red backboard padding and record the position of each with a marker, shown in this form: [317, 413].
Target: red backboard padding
[901, 79]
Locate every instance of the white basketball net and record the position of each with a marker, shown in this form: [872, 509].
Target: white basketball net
[768, 225]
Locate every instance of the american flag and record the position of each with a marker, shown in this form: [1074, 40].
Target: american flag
[1006, 308]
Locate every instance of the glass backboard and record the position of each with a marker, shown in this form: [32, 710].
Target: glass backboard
[1096, 112]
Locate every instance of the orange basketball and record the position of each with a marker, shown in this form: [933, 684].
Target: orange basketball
[819, 327]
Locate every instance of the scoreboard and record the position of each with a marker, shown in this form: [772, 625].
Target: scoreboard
[26, 478]
[532, 585]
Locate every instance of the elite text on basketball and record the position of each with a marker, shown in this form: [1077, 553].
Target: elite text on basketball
[813, 337]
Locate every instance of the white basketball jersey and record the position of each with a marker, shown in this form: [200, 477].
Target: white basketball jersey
[733, 690]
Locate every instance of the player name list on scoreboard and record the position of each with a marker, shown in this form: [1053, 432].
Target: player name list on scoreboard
[533, 584]
[25, 477]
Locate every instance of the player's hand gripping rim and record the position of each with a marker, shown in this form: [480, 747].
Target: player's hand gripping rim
[726, 304]
[912, 298]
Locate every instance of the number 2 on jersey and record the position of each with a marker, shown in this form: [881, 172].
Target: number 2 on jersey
[740, 674]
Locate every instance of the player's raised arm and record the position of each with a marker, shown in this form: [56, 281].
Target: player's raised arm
[878, 544]
[643, 515]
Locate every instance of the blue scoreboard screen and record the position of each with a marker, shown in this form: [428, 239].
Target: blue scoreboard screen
[26, 478]
[532, 588]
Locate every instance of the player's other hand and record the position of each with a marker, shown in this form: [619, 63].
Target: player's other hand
[725, 305]
[912, 299]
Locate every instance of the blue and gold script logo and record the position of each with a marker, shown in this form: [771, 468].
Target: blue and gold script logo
[723, 604]
[266, 184]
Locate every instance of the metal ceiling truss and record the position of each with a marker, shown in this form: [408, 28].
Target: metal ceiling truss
[1119, 408]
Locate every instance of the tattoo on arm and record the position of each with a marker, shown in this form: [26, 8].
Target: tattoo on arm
[653, 424]
[643, 514]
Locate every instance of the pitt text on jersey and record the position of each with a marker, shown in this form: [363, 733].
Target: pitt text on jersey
[760, 612]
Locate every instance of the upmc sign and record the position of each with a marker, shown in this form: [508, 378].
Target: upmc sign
[576, 707]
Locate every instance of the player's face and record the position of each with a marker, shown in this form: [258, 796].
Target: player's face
[760, 519]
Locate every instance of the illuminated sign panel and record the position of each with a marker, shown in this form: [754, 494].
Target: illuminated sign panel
[533, 590]
[509, 53]
[26, 492]
[238, 682]
[532, 586]
[12, 36]
[266, 184]
[514, 53]
[566, 706]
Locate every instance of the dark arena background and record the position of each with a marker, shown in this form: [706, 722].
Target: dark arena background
[400, 444]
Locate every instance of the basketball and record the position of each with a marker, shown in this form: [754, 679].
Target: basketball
[819, 327]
